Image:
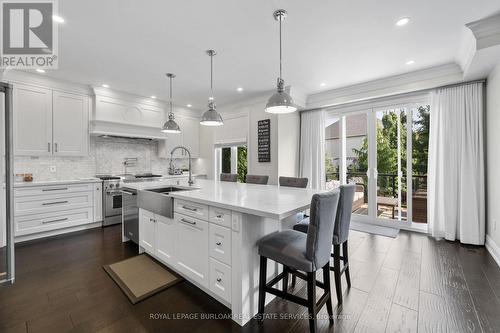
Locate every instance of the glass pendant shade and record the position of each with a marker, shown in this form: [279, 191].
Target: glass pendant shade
[170, 126]
[211, 117]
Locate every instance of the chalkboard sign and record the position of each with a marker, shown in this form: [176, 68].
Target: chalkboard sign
[264, 140]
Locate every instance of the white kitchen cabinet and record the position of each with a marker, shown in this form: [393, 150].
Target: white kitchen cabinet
[32, 120]
[70, 124]
[189, 138]
[192, 249]
[48, 123]
[3, 218]
[98, 202]
[165, 239]
[147, 231]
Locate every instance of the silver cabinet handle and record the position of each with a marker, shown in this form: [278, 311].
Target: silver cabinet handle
[128, 192]
[52, 221]
[55, 146]
[190, 208]
[187, 221]
[219, 279]
[218, 243]
[54, 203]
[54, 189]
[48, 147]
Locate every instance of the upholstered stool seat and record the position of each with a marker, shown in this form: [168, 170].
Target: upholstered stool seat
[288, 248]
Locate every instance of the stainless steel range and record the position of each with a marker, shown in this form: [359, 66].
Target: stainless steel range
[113, 189]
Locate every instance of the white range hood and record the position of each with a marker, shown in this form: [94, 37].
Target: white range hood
[125, 115]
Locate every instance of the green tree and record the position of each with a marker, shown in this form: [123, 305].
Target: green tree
[242, 164]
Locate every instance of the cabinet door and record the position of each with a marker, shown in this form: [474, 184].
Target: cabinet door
[70, 124]
[190, 128]
[192, 249]
[98, 202]
[32, 120]
[147, 231]
[166, 235]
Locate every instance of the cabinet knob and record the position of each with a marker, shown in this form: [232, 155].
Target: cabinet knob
[219, 279]
[218, 243]
[219, 216]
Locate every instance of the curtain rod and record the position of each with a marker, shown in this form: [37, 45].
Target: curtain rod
[374, 99]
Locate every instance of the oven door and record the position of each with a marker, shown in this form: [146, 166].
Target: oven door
[113, 203]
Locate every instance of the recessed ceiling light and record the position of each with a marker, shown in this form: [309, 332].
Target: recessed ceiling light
[322, 84]
[402, 21]
[410, 62]
[240, 89]
[39, 70]
[57, 19]
[189, 105]
[153, 97]
[105, 85]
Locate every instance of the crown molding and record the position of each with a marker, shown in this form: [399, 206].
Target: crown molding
[403, 83]
[486, 31]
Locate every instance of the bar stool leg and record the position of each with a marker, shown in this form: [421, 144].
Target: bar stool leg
[326, 281]
[262, 286]
[294, 280]
[345, 255]
[285, 279]
[336, 272]
[311, 300]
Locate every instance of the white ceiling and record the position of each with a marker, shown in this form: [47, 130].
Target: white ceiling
[130, 44]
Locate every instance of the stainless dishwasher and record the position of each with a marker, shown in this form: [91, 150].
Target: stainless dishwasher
[130, 214]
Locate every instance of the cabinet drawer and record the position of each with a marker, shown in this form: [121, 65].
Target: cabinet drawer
[220, 216]
[220, 280]
[30, 224]
[49, 203]
[52, 190]
[219, 243]
[191, 209]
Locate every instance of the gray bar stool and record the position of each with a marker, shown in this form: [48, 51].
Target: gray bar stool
[293, 182]
[228, 177]
[340, 237]
[299, 252]
[257, 179]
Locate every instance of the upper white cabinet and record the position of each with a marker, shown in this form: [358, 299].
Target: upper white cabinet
[32, 120]
[189, 137]
[70, 124]
[48, 122]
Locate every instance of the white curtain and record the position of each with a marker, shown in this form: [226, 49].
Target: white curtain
[312, 148]
[456, 188]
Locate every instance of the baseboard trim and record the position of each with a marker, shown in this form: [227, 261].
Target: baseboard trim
[57, 232]
[493, 249]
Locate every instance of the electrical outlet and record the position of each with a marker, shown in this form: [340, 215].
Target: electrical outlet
[53, 168]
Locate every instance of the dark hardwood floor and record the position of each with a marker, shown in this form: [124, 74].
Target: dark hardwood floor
[408, 284]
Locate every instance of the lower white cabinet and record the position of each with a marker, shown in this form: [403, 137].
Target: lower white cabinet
[166, 239]
[98, 202]
[192, 252]
[198, 249]
[147, 231]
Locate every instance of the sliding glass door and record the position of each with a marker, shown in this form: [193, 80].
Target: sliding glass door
[383, 151]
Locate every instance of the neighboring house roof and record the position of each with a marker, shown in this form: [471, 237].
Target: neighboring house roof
[356, 125]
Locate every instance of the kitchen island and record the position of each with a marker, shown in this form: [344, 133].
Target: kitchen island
[211, 237]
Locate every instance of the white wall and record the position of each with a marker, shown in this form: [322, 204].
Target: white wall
[493, 156]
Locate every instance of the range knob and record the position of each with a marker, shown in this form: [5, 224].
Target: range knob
[111, 185]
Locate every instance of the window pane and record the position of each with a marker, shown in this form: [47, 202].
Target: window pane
[332, 153]
[420, 137]
[226, 160]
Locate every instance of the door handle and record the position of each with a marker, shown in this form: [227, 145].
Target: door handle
[190, 208]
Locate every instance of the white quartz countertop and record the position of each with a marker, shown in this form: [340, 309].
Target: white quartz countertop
[57, 182]
[270, 201]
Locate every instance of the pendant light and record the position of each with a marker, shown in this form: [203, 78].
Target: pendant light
[170, 125]
[280, 102]
[211, 117]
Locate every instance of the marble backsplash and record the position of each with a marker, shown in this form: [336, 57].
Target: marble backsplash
[106, 156]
